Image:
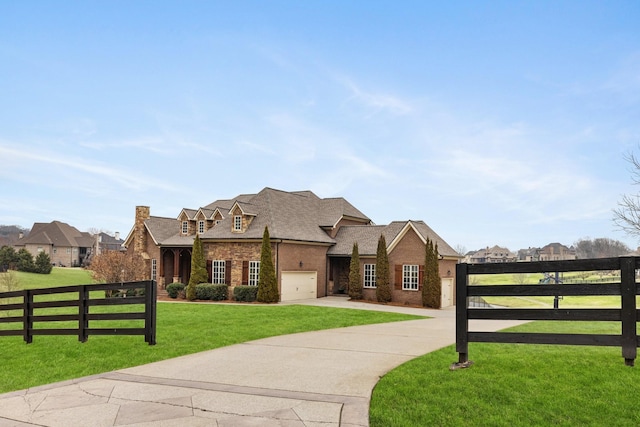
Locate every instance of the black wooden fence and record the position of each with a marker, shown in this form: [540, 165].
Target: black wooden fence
[626, 288]
[37, 316]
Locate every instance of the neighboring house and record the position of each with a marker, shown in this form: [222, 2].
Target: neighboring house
[104, 242]
[557, 252]
[65, 245]
[551, 252]
[490, 255]
[311, 240]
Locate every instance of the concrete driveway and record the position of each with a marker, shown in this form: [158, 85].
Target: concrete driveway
[310, 379]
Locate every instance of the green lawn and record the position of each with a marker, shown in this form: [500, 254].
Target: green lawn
[182, 328]
[58, 277]
[514, 385]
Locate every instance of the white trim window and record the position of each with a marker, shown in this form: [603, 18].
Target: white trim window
[254, 273]
[154, 269]
[185, 227]
[369, 276]
[410, 277]
[237, 223]
[217, 271]
[200, 227]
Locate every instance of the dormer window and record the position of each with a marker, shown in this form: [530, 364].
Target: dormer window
[185, 227]
[237, 223]
[200, 227]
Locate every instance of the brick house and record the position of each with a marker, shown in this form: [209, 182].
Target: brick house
[311, 240]
[65, 245]
[491, 255]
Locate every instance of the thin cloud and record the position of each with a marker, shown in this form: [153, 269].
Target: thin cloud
[85, 168]
[376, 101]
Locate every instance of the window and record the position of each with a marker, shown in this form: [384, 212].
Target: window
[369, 275]
[68, 250]
[200, 227]
[185, 227]
[410, 277]
[254, 273]
[217, 271]
[237, 223]
[218, 221]
[40, 249]
[154, 269]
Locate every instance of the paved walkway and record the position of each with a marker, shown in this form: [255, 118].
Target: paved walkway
[312, 379]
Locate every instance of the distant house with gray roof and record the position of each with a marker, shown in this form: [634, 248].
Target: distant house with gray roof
[65, 245]
[311, 237]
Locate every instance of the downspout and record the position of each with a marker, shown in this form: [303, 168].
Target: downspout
[278, 268]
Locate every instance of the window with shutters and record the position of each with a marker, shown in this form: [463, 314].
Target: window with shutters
[369, 276]
[410, 277]
[217, 271]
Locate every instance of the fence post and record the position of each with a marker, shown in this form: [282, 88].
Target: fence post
[462, 319]
[628, 314]
[83, 311]
[27, 313]
[150, 312]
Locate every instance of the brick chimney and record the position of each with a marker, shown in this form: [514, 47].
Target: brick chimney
[139, 233]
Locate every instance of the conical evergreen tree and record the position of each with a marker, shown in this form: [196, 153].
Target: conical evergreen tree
[42, 263]
[432, 284]
[355, 280]
[383, 288]
[267, 282]
[198, 269]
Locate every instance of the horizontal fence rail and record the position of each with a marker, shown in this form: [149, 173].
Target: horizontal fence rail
[626, 288]
[38, 307]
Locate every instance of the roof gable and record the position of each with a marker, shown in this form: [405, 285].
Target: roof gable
[56, 233]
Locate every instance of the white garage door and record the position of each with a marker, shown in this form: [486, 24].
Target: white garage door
[447, 293]
[299, 285]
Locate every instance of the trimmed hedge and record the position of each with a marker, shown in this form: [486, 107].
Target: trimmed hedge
[245, 293]
[174, 289]
[209, 291]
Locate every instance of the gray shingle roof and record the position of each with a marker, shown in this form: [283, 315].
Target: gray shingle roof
[296, 216]
[367, 237]
[58, 234]
[166, 231]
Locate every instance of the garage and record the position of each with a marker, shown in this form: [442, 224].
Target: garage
[447, 292]
[298, 285]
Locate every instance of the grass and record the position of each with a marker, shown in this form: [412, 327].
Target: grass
[182, 328]
[58, 277]
[514, 385]
[600, 301]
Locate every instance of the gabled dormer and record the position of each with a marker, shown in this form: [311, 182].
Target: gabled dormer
[216, 217]
[202, 222]
[241, 217]
[187, 222]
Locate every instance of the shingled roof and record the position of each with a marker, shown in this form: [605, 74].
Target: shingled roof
[298, 216]
[367, 237]
[56, 233]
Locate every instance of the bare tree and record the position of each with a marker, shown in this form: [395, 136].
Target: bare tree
[116, 266]
[627, 215]
[601, 247]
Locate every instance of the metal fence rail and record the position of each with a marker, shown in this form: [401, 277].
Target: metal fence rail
[627, 289]
[82, 297]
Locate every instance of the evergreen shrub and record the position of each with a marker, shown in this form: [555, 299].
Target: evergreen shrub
[174, 289]
[213, 292]
[245, 293]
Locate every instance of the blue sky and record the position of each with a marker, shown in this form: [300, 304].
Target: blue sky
[496, 122]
